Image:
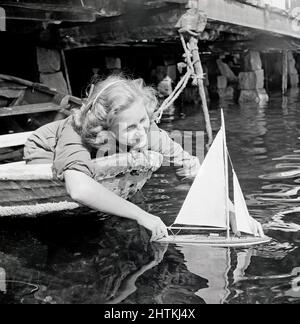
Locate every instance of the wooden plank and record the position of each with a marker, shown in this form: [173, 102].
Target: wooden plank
[13, 155]
[250, 16]
[25, 172]
[12, 165]
[19, 100]
[42, 12]
[10, 93]
[105, 168]
[48, 7]
[132, 27]
[30, 109]
[12, 140]
[18, 83]
[23, 82]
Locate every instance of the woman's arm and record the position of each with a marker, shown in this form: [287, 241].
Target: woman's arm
[86, 191]
[160, 141]
[129, 286]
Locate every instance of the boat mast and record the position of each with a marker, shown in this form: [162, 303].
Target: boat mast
[226, 175]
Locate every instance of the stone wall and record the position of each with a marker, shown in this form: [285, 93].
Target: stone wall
[226, 80]
[251, 82]
[293, 76]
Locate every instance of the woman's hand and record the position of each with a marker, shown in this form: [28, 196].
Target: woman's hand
[258, 229]
[155, 225]
[90, 193]
[190, 168]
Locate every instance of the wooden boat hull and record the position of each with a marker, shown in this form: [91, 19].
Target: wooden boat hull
[32, 190]
[26, 106]
[217, 241]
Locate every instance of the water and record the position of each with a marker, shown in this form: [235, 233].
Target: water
[82, 259]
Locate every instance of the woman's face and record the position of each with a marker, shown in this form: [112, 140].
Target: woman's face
[131, 126]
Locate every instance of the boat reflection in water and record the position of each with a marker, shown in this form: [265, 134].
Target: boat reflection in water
[114, 263]
[222, 267]
[84, 260]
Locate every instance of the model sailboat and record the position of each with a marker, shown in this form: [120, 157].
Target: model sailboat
[207, 206]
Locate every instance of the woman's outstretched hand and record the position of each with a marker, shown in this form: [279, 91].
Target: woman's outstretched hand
[189, 169]
[155, 225]
[258, 229]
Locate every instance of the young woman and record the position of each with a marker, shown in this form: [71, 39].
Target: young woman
[118, 113]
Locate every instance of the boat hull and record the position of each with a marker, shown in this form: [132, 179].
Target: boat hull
[217, 241]
[33, 190]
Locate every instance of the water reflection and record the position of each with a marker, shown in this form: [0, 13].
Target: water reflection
[222, 267]
[86, 260]
[109, 266]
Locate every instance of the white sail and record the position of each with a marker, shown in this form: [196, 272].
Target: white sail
[205, 204]
[243, 219]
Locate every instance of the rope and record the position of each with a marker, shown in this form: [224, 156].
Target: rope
[174, 96]
[29, 210]
[173, 233]
[35, 288]
[194, 72]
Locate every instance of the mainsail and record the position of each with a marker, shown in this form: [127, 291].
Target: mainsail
[205, 204]
[243, 219]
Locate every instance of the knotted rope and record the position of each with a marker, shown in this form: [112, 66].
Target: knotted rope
[191, 25]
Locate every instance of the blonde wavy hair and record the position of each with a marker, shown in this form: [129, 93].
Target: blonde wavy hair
[107, 98]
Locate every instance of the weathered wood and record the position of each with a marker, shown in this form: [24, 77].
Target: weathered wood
[154, 20]
[66, 70]
[107, 167]
[250, 16]
[30, 109]
[19, 100]
[12, 140]
[199, 72]
[31, 190]
[24, 172]
[10, 93]
[12, 155]
[48, 12]
[12, 165]
[21, 84]
[151, 25]
[42, 5]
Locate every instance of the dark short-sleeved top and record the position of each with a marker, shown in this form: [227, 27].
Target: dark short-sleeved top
[59, 144]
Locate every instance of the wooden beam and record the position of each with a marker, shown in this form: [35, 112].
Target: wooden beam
[13, 140]
[30, 109]
[25, 172]
[48, 7]
[12, 155]
[141, 26]
[250, 16]
[47, 13]
[258, 41]
[10, 93]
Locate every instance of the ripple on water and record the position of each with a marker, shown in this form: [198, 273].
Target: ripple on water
[83, 260]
